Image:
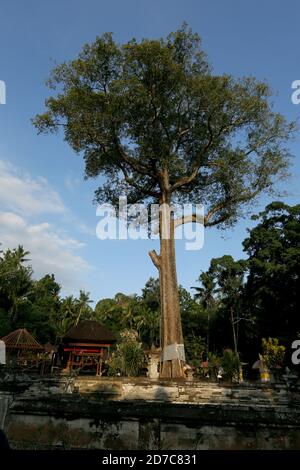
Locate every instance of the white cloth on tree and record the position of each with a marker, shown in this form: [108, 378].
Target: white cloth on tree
[174, 351]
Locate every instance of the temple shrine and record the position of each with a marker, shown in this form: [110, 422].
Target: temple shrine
[86, 346]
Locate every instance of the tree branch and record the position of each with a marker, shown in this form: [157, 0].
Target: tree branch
[259, 144]
[131, 182]
[224, 205]
[132, 162]
[188, 179]
[179, 138]
[188, 218]
[214, 210]
[155, 258]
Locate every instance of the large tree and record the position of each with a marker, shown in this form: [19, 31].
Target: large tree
[273, 283]
[205, 295]
[15, 283]
[226, 278]
[153, 120]
[43, 313]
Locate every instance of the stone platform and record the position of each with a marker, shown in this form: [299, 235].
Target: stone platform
[118, 413]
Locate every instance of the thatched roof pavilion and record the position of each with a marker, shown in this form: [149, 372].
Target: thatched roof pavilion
[89, 332]
[21, 340]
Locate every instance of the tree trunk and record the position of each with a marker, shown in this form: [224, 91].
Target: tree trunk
[171, 329]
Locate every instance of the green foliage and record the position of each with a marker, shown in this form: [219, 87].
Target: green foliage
[132, 312]
[194, 347]
[137, 109]
[151, 294]
[194, 321]
[231, 365]
[128, 357]
[147, 323]
[84, 310]
[205, 294]
[273, 353]
[214, 364]
[142, 313]
[5, 325]
[72, 310]
[221, 294]
[40, 318]
[259, 296]
[36, 304]
[15, 283]
[152, 120]
[273, 285]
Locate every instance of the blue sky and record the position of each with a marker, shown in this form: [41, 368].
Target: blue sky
[44, 202]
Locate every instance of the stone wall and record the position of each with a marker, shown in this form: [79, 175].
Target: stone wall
[103, 413]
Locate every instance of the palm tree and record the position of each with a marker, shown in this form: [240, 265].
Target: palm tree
[66, 316]
[20, 255]
[16, 283]
[206, 295]
[68, 306]
[148, 324]
[82, 306]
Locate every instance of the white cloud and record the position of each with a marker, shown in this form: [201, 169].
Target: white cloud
[71, 182]
[50, 251]
[86, 230]
[20, 193]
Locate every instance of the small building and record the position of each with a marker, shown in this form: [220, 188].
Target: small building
[22, 348]
[86, 345]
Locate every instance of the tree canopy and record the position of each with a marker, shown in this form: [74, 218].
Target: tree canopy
[151, 116]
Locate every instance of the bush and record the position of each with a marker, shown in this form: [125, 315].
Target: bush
[128, 358]
[214, 363]
[194, 347]
[231, 365]
[273, 354]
